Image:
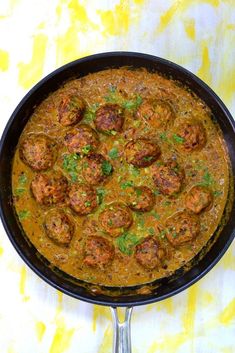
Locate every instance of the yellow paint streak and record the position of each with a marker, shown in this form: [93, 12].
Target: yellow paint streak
[30, 73]
[139, 2]
[207, 298]
[40, 328]
[106, 344]
[204, 71]
[68, 44]
[1, 250]
[227, 350]
[22, 280]
[190, 313]
[190, 28]
[4, 60]
[100, 313]
[230, 26]
[62, 338]
[166, 305]
[117, 21]
[179, 6]
[228, 260]
[60, 302]
[228, 314]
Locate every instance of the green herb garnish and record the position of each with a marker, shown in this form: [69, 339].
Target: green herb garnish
[70, 165]
[107, 168]
[148, 158]
[178, 138]
[133, 104]
[138, 192]
[207, 180]
[135, 171]
[22, 180]
[113, 153]
[163, 136]
[23, 214]
[126, 242]
[86, 149]
[217, 193]
[127, 184]
[87, 203]
[89, 114]
[100, 195]
[155, 215]
[151, 231]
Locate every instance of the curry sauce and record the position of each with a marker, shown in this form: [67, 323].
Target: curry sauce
[137, 201]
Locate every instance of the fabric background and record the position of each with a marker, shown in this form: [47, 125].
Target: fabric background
[37, 36]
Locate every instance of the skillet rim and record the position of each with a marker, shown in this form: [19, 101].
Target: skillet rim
[154, 60]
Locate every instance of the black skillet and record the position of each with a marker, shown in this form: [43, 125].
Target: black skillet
[125, 296]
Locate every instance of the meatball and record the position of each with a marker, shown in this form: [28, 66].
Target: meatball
[81, 139]
[148, 253]
[93, 168]
[156, 113]
[49, 189]
[193, 136]
[198, 199]
[141, 152]
[182, 228]
[70, 110]
[109, 118]
[141, 199]
[115, 219]
[99, 252]
[59, 227]
[37, 151]
[82, 198]
[168, 178]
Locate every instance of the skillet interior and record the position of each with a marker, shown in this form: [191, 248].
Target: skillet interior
[109, 296]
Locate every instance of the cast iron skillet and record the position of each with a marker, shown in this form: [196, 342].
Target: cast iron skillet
[129, 296]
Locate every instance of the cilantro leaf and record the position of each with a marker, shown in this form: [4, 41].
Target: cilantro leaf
[107, 168]
[126, 242]
[23, 214]
[127, 184]
[178, 138]
[113, 153]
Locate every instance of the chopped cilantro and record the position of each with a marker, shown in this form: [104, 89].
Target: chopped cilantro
[135, 171]
[163, 136]
[107, 167]
[127, 184]
[86, 149]
[156, 192]
[70, 165]
[151, 231]
[148, 158]
[138, 192]
[178, 138]
[207, 180]
[22, 179]
[87, 203]
[141, 222]
[23, 214]
[126, 242]
[89, 114]
[100, 195]
[113, 153]
[166, 203]
[19, 191]
[132, 104]
[162, 234]
[217, 193]
[155, 215]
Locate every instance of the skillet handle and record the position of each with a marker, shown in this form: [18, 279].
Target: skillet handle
[122, 331]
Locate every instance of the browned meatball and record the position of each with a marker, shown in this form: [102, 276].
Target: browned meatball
[37, 151]
[148, 253]
[94, 171]
[115, 219]
[49, 189]
[141, 152]
[198, 199]
[70, 110]
[82, 198]
[193, 136]
[182, 228]
[168, 178]
[81, 139]
[99, 252]
[141, 199]
[109, 118]
[59, 227]
[156, 113]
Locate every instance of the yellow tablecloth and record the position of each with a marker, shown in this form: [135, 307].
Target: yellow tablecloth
[38, 36]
